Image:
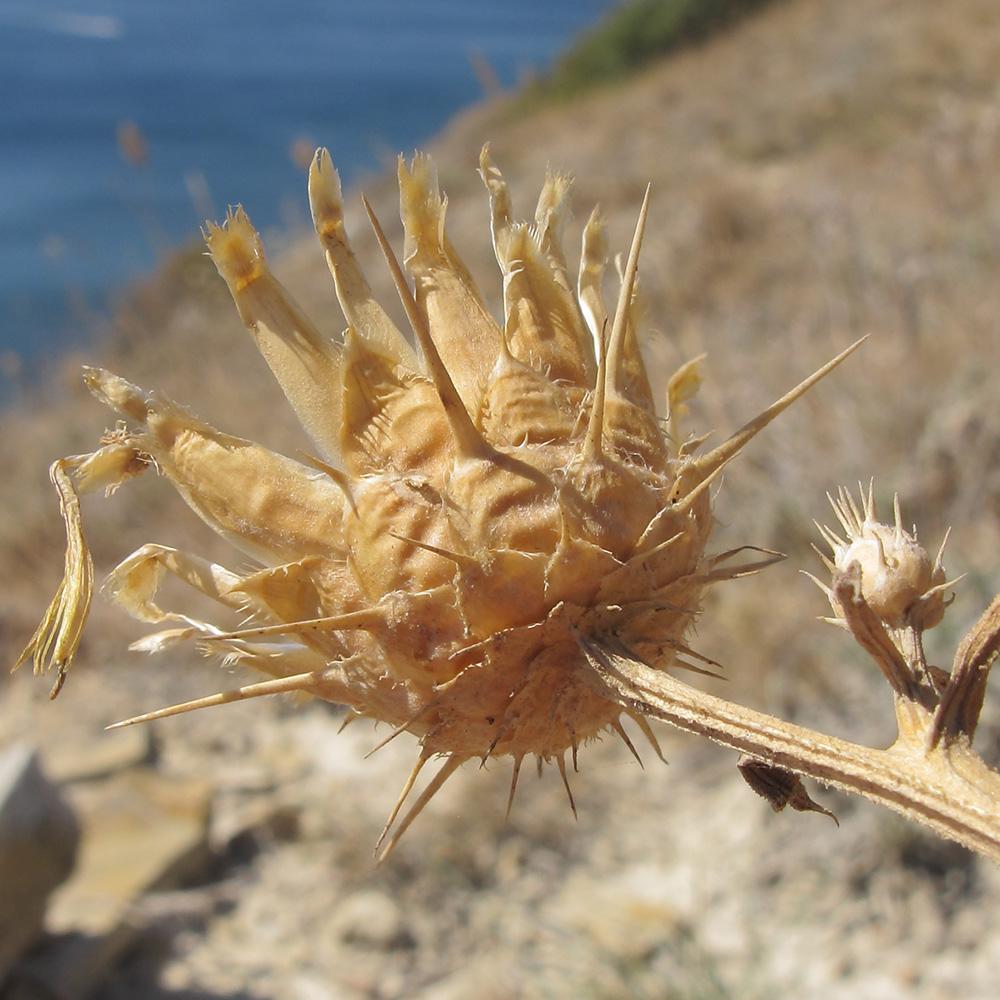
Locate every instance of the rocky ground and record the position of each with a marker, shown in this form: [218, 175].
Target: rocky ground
[824, 172]
[236, 861]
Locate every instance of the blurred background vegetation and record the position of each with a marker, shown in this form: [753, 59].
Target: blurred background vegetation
[633, 34]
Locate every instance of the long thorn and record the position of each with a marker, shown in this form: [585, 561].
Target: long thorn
[619, 327]
[640, 721]
[611, 355]
[407, 788]
[513, 785]
[561, 762]
[620, 730]
[364, 620]
[402, 728]
[278, 685]
[729, 448]
[450, 766]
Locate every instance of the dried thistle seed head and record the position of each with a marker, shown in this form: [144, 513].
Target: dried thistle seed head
[900, 581]
[488, 509]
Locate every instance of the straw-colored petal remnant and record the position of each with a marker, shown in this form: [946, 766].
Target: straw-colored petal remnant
[490, 512]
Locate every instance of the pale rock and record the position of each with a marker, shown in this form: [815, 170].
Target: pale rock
[38, 843]
[315, 987]
[98, 754]
[141, 832]
[241, 821]
[484, 979]
[372, 919]
[629, 913]
[727, 933]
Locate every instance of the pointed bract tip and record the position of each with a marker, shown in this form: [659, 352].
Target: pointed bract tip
[326, 198]
[236, 249]
[118, 394]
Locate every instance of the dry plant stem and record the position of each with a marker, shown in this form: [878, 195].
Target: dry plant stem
[962, 701]
[947, 787]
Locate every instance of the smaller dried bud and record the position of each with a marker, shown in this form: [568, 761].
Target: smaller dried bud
[900, 581]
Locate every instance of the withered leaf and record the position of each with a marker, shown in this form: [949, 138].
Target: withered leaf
[780, 787]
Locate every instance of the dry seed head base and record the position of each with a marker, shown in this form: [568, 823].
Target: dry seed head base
[490, 509]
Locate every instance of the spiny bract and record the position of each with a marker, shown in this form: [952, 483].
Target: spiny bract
[494, 510]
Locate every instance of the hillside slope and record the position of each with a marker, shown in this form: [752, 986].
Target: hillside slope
[825, 172]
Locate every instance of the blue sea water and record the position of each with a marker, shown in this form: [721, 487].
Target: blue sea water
[219, 90]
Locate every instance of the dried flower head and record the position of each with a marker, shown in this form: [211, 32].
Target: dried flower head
[496, 508]
[899, 580]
